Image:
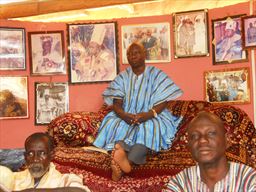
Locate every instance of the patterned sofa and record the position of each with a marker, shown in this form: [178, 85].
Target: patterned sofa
[72, 131]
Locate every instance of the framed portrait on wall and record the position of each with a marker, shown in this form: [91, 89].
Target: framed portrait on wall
[52, 100]
[14, 97]
[191, 33]
[227, 40]
[12, 49]
[228, 86]
[155, 37]
[46, 53]
[92, 52]
[249, 31]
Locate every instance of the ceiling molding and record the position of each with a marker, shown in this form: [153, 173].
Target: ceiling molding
[33, 8]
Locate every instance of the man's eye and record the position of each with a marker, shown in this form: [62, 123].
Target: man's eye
[42, 153]
[30, 154]
[212, 133]
[194, 136]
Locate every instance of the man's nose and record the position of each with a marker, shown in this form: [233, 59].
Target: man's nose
[37, 157]
[203, 139]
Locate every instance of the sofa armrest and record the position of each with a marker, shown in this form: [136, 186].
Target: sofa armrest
[74, 129]
[77, 129]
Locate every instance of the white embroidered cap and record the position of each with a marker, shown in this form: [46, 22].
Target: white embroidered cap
[98, 34]
[231, 24]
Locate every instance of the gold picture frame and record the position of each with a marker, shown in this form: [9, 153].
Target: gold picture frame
[228, 86]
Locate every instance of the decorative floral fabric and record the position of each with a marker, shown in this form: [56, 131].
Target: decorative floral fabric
[94, 166]
[76, 129]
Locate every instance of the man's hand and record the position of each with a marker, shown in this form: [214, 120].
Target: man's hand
[143, 116]
[129, 118]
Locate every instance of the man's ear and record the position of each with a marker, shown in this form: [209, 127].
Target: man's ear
[25, 157]
[187, 141]
[51, 154]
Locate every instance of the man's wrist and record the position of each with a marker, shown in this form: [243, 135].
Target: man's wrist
[154, 112]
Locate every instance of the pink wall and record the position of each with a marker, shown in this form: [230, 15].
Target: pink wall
[187, 73]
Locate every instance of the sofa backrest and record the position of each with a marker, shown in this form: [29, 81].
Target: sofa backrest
[77, 129]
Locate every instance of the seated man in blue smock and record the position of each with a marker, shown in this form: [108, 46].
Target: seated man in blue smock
[139, 120]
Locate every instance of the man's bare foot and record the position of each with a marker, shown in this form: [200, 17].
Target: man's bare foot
[116, 171]
[120, 157]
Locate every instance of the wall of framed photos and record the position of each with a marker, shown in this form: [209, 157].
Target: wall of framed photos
[187, 68]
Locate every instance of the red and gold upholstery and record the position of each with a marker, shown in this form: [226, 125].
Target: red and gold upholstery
[76, 129]
[73, 130]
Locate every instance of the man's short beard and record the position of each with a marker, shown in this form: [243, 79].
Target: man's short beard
[36, 173]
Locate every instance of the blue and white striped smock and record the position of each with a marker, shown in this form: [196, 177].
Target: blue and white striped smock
[140, 94]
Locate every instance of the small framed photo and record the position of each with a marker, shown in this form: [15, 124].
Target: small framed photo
[92, 52]
[249, 31]
[227, 40]
[12, 49]
[228, 86]
[46, 53]
[14, 97]
[191, 33]
[52, 100]
[155, 37]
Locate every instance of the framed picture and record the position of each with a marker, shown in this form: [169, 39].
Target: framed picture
[14, 97]
[12, 49]
[227, 40]
[52, 100]
[191, 33]
[228, 86]
[46, 53]
[155, 38]
[92, 52]
[249, 31]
